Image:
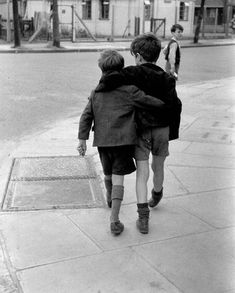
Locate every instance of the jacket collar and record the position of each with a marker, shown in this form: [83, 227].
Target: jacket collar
[109, 81]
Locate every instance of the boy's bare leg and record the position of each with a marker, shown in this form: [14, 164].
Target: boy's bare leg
[158, 177]
[142, 176]
[158, 172]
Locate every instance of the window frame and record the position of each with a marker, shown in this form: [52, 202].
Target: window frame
[104, 9]
[183, 11]
[86, 9]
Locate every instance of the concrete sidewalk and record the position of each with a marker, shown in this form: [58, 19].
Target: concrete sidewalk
[190, 247]
[92, 46]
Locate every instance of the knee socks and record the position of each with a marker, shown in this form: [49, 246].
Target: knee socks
[117, 197]
[143, 210]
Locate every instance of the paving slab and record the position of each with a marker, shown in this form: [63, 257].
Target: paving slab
[165, 222]
[197, 160]
[196, 179]
[36, 238]
[117, 272]
[178, 146]
[196, 263]
[215, 208]
[211, 149]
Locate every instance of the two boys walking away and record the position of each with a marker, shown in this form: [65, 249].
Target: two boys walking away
[134, 112]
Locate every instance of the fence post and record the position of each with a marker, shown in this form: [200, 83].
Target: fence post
[164, 28]
[8, 22]
[112, 24]
[73, 24]
[0, 25]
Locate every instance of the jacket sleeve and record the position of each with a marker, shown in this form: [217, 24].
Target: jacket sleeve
[175, 107]
[86, 120]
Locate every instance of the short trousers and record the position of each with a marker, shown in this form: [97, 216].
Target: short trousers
[154, 140]
[117, 160]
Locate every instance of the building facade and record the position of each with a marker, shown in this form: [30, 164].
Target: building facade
[123, 18]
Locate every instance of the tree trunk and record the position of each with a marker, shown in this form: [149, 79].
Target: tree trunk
[199, 22]
[16, 23]
[56, 33]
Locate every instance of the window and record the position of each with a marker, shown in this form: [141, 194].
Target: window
[104, 9]
[220, 19]
[86, 9]
[214, 16]
[183, 12]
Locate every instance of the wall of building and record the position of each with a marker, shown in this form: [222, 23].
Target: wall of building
[122, 16]
[170, 10]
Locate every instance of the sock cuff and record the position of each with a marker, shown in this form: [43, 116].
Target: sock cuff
[142, 205]
[157, 193]
[117, 192]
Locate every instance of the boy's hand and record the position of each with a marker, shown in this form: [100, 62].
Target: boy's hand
[174, 74]
[82, 147]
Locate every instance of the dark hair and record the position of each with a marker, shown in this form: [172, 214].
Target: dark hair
[175, 27]
[110, 60]
[148, 46]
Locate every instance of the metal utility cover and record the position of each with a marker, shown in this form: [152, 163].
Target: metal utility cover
[53, 182]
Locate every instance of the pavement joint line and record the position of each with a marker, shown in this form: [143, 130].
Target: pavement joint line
[11, 270]
[7, 184]
[198, 217]
[85, 233]
[56, 262]
[155, 269]
[175, 237]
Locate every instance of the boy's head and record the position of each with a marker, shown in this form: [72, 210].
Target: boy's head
[177, 30]
[110, 60]
[146, 48]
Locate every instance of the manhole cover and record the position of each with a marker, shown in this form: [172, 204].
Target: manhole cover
[53, 182]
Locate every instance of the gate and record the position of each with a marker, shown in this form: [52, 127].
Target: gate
[158, 26]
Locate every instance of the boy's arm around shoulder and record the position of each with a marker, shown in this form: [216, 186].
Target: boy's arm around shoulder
[141, 100]
[134, 75]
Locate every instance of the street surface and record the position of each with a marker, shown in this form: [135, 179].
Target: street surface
[45, 248]
[37, 90]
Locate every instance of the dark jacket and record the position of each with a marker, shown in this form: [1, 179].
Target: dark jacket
[154, 81]
[111, 108]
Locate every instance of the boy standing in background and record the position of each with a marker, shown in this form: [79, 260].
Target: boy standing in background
[172, 51]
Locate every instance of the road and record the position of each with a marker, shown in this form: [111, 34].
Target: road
[37, 90]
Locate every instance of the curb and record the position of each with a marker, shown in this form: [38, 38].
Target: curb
[95, 49]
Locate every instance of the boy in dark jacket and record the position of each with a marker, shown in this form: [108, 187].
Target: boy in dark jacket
[155, 128]
[111, 110]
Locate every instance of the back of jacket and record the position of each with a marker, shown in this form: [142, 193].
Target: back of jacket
[154, 81]
[111, 110]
